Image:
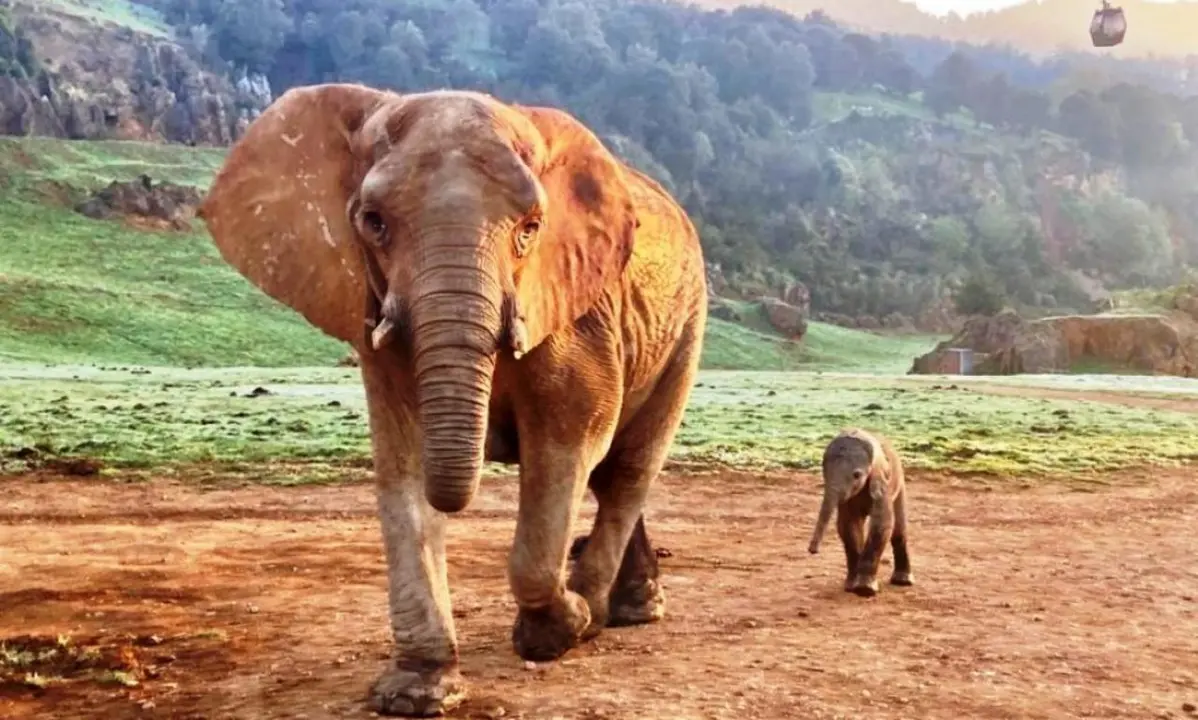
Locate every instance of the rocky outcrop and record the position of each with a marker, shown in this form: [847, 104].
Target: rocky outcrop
[106, 82]
[789, 312]
[162, 205]
[796, 295]
[1007, 345]
[982, 335]
[787, 319]
[1153, 344]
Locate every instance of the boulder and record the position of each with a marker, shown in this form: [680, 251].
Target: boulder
[797, 295]
[787, 319]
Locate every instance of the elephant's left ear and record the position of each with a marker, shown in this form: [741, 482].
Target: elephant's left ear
[589, 226]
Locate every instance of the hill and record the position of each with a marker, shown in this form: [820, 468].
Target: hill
[76, 290]
[888, 175]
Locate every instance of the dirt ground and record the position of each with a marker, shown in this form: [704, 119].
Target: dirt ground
[258, 602]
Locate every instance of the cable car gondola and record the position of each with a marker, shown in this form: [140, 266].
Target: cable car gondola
[1108, 26]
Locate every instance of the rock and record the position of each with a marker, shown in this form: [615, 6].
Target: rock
[172, 205]
[797, 295]
[785, 318]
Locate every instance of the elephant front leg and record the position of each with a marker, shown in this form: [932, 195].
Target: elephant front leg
[422, 678]
[881, 525]
[551, 618]
[851, 528]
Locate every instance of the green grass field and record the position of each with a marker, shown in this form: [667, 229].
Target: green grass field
[313, 421]
[99, 323]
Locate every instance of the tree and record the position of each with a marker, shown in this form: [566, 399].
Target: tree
[952, 84]
[250, 32]
[979, 295]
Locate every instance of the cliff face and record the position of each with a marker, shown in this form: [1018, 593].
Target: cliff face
[98, 80]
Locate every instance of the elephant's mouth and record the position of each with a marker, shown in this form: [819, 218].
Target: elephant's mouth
[387, 319]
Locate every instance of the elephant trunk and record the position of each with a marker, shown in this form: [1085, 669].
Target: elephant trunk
[825, 516]
[456, 322]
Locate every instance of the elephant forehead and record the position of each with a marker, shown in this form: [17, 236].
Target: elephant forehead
[433, 179]
[849, 449]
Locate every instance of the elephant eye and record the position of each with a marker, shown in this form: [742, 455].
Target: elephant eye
[528, 233]
[374, 226]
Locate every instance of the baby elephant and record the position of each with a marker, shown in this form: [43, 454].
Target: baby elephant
[863, 477]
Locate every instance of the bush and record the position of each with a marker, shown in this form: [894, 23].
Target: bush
[979, 295]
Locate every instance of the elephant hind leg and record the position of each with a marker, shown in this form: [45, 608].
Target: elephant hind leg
[635, 597]
[617, 567]
[902, 575]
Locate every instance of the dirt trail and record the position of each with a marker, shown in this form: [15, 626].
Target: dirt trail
[269, 603]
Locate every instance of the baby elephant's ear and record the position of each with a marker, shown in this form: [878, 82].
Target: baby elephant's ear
[589, 225]
[276, 209]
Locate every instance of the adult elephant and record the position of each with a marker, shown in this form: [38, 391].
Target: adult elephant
[516, 294]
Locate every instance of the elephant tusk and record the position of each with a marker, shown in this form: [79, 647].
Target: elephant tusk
[382, 333]
[519, 338]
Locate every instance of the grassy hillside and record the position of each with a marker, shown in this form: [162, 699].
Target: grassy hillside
[77, 290]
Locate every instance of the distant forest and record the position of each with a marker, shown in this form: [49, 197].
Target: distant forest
[885, 173]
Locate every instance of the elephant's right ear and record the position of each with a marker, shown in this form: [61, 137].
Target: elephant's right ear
[276, 209]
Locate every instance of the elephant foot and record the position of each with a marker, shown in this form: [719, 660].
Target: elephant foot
[548, 633]
[903, 579]
[413, 693]
[862, 585]
[638, 604]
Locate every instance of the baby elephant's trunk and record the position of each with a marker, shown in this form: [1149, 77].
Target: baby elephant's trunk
[821, 525]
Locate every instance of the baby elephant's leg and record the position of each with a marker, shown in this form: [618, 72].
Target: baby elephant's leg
[851, 528]
[898, 542]
[881, 526]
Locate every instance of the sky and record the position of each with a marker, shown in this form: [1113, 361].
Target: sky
[963, 7]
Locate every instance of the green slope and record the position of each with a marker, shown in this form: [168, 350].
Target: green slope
[77, 290]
